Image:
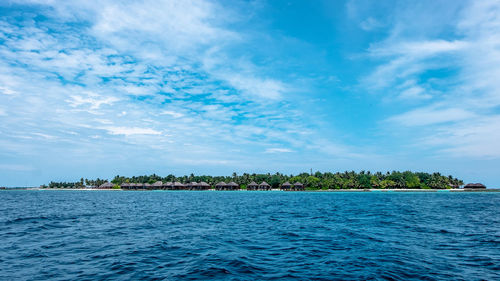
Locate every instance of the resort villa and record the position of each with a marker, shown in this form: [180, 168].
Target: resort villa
[198, 186]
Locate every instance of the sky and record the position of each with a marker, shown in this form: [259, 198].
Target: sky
[103, 88]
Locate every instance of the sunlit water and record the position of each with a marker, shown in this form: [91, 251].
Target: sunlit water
[71, 235]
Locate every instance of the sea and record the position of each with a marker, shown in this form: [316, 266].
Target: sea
[243, 235]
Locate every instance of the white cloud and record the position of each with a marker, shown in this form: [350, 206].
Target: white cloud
[278, 150]
[94, 101]
[415, 92]
[418, 49]
[370, 24]
[6, 91]
[477, 138]
[129, 131]
[431, 115]
[462, 119]
[174, 114]
[267, 88]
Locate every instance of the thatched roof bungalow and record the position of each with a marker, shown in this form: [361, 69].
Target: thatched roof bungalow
[106, 185]
[204, 186]
[264, 186]
[252, 186]
[298, 186]
[178, 186]
[233, 186]
[286, 186]
[125, 185]
[157, 185]
[193, 185]
[168, 185]
[221, 186]
[475, 186]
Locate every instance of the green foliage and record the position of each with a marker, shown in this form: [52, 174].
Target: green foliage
[328, 180]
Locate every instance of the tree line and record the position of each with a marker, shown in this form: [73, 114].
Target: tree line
[318, 180]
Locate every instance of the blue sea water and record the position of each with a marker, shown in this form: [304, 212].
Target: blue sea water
[99, 235]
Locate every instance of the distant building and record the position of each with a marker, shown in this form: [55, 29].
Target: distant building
[203, 185]
[178, 186]
[264, 186]
[298, 186]
[252, 186]
[286, 186]
[232, 186]
[157, 185]
[474, 185]
[221, 186]
[106, 185]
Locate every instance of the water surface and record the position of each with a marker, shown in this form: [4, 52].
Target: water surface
[75, 235]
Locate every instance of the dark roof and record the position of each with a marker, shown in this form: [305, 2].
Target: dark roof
[106, 185]
[286, 184]
[475, 185]
[158, 183]
[253, 184]
[232, 184]
[264, 184]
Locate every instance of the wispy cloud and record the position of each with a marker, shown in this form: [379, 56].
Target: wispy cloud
[128, 131]
[431, 115]
[278, 150]
[462, 114]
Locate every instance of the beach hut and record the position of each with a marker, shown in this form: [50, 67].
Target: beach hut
[204, 186]
[194, 186]
[168, 185]
[264, 186]
[286, 186]
[106, 185]
[139, 186]
[221, 186]
[298, 186]
[157, 185]
[233, 186]
[125, 185]
[178, 186]
[252, 186]
[475, 186]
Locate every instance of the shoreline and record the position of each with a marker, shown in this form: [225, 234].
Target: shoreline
[272, 190]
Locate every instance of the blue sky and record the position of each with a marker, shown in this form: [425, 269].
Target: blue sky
[100, 88]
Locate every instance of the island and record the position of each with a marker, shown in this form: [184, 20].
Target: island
[327, 181]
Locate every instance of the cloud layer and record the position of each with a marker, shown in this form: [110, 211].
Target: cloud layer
[97, 88]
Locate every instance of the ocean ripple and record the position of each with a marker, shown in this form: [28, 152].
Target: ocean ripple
[82, 235]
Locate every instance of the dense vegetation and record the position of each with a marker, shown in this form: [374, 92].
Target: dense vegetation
[318, 180]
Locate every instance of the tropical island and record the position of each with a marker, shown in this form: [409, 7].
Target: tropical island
[348, 180]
